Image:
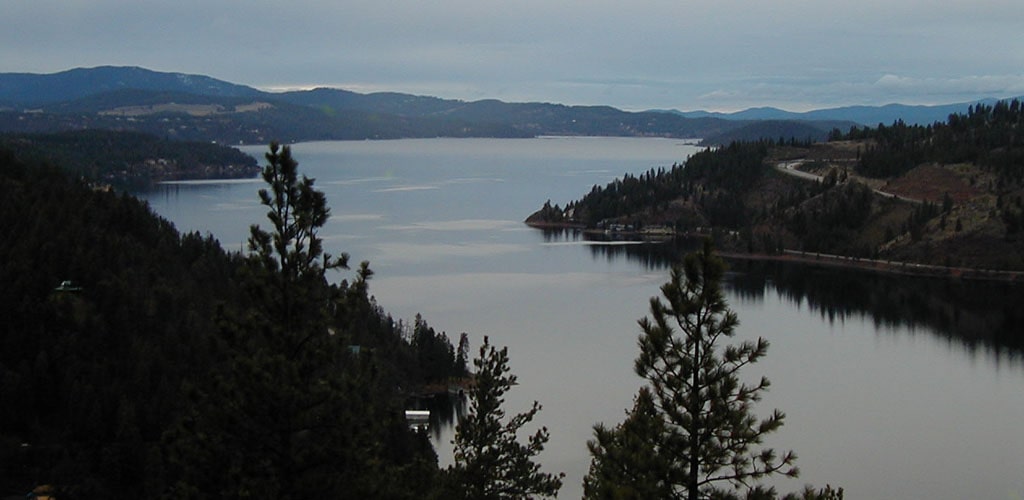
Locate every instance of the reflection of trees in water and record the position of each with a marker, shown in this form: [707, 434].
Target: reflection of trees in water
[555, 235]
[650, 254]
[974, 314]
[445, 410]
[971, 313]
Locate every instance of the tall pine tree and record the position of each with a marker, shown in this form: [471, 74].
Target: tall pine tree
[293, 413]
[290, 261]
[695, 423]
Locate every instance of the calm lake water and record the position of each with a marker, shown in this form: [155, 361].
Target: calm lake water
[893, 388]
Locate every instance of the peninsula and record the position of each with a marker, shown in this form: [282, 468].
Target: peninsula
[946, 195]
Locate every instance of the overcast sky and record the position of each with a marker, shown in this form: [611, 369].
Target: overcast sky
[717, 55]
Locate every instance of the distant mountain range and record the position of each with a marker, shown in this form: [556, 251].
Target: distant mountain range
[869, 116]
[29, 89]
[196, 107]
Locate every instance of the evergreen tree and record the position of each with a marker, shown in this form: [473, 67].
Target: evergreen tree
[291, 257]
[461, 355]
[293, 414]
[490, 463]
[623, 466]
[697, 417]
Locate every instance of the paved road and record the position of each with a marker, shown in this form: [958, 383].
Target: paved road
[791, 168]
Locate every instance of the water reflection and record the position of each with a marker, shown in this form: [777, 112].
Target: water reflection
[975, 314]
[445, 411]
[652, 254]
[972, 313]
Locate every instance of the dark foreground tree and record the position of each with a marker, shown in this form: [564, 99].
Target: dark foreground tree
[693, 432]
[289, 261]
[294, 413]
[624, 465]
[490, 462]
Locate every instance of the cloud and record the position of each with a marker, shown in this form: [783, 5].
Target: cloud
[635, 55]
[997, 85]
[805, 94]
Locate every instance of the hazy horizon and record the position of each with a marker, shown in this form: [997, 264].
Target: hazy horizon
[686, 55]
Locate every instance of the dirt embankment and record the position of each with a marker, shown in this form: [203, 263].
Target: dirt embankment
[933, 182]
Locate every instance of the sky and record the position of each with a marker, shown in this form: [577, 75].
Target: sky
[720, 55]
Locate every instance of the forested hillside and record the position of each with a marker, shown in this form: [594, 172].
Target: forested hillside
[131, 158]
[774, 129]
[947, 194]
[990, 136]
[31, 89]
[139, 362]
[231, 122]
[198, 108]
[705, 190]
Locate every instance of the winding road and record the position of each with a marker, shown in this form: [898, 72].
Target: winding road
[791, 168]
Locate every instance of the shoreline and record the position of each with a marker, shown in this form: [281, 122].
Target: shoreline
[812, 258]
[659, 233]
[881, 266]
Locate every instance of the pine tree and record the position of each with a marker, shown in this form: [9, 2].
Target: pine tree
[292, 414]
[490, 463]
[461, 355]
[698, 418]
[623, 466]
[290, 262]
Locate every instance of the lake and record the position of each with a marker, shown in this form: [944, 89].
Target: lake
[893, 387]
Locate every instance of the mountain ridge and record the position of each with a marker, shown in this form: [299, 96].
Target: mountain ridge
[233, 113]
[912, 114]
[33, 89]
